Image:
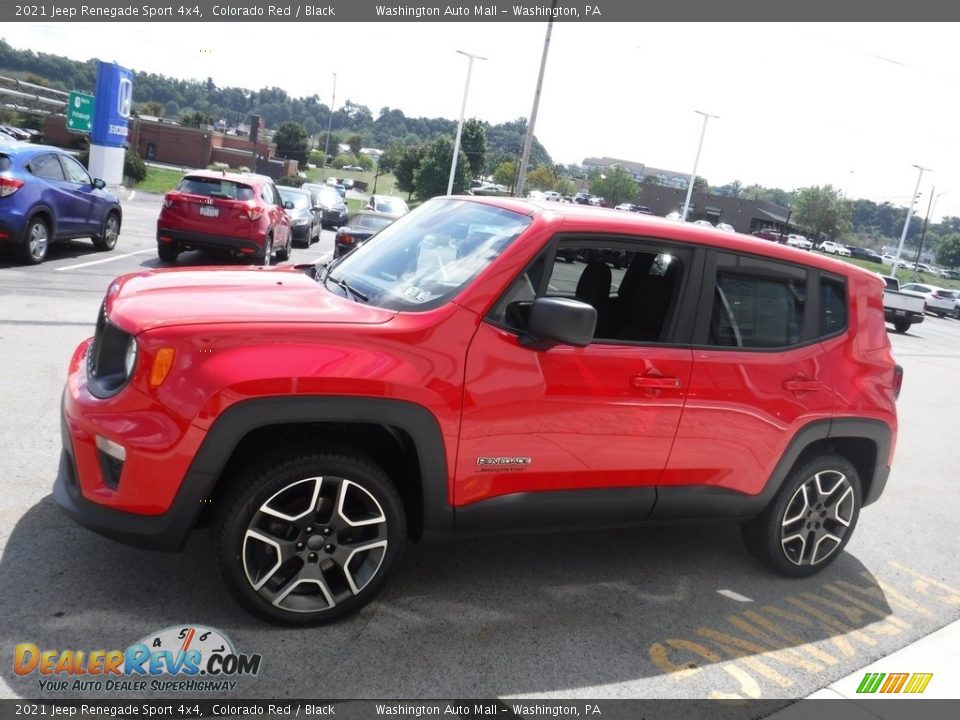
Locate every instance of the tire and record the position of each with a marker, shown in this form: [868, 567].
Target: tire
[107, 240]
[956, 313]
[817, 505]
[283, 254]
[901, 326]
[36, 242]
[267, 252]
[167, 252]
[286, 550]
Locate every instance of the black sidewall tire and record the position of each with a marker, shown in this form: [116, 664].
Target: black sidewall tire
[167, 252]
[104, 242]
[762, 534]
[25, 253]
[260, 483]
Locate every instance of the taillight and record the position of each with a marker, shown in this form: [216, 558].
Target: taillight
[897, 380]
[346, 238]
[9, 185]
[254, 212]
[169, 200]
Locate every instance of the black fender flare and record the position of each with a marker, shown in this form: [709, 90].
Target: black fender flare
[699, 501]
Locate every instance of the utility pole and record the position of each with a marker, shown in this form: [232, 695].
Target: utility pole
[528, 142]
[696, 161]
[906, 223]
[463, 109]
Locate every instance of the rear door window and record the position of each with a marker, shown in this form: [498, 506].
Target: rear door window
[47, 166]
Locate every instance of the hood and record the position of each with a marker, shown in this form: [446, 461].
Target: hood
[167, 298]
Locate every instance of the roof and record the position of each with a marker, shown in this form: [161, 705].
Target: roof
[246, 178]
[599, 221]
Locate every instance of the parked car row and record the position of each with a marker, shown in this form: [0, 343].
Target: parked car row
[248, 216]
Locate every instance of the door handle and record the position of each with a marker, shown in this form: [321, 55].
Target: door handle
[655, 382]
[802, 384]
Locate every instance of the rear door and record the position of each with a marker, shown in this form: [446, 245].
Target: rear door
[58, 193]
[759, 375]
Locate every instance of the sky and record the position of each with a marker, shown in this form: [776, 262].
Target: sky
[799, 104]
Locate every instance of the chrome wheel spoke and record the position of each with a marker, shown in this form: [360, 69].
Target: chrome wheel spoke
[363, 563]
[356, 507]
[800, 512]
[304, 592]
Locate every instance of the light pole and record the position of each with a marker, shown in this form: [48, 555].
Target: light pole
[906, 223]
[696, 161]
[463, 108]
[326, 145]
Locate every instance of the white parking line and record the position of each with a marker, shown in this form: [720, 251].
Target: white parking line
[734, 596]
[104, 260]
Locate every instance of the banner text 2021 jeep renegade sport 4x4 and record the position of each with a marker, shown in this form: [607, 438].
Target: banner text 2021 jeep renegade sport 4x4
[480, 364]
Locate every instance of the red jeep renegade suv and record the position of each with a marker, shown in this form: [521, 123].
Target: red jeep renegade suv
[481, 364]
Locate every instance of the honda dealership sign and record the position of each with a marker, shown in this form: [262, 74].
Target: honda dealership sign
[114, 105]
[111, 113]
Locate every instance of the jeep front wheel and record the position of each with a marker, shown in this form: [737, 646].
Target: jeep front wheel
[810, 519]
[307, 539]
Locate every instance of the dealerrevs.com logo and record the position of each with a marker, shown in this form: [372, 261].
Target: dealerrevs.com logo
[186, 658]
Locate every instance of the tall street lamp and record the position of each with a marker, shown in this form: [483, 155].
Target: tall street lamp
[696, 161]
[463, 108]
[326, 145]
[906, 223]
[531, 126]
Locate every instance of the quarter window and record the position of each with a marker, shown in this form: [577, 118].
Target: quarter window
[833, 306]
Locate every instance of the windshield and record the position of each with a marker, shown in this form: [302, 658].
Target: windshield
[300, 200]
[427, 256]
[390, 205]
[215, 187]
[373, 222]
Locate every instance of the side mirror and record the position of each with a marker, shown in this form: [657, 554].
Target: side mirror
[559, 321]
[99, 184]
[288, 205]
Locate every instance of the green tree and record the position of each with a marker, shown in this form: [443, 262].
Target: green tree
[542, 178]
[196, 119]
[948, 253]
[616, 186]
[152, 108]
[406, 168]
[504, 173]
[433, 173]
[473, 145]
[823, 210]
[391, 157]
[355, 141]
[291, 141]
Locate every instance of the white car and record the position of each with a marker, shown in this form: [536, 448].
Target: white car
[799, 241]
[726, 227]
[938, 301]
[552, 195]
[834, 248]
[705, 223]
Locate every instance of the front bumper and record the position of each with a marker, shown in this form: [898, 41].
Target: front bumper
[152, 497]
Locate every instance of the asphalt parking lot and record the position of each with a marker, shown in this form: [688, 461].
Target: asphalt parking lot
[678, 611]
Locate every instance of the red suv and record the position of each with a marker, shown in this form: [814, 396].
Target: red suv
[242, 214]
[481, 364]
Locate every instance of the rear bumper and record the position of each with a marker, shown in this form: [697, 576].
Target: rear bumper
[198, 241]
[11, 233]
[893, 314]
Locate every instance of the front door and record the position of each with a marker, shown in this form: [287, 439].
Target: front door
[570, 435]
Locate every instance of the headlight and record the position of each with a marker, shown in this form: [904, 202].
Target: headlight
[111, 358]
[130, 359]
[301, 221]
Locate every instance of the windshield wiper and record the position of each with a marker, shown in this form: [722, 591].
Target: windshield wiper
[340, 282]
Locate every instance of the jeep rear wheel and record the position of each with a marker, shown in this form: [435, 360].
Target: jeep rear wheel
[810, 519]
[308, 538]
